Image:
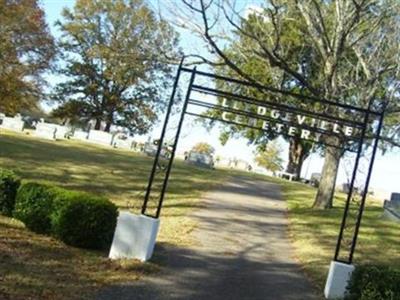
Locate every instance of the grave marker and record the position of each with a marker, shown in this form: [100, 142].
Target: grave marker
[14, 124]
[46, 130]
[100, 137]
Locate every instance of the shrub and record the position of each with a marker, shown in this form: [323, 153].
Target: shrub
[34, 206]
[9, 184]
[374, 283]
[84, 220]
[78, 219]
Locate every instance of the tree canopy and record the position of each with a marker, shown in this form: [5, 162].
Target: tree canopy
[267, 75]
[203, 148]
[269, 157]
[116, 56]
[26, 52]
[347, 52]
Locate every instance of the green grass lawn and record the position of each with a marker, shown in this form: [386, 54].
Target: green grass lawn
[315, 232]
[39, 267]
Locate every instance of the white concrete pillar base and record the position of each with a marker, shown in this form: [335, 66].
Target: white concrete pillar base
[134, 237]
[338, 278]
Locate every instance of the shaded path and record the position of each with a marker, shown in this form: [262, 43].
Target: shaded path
[243, 252]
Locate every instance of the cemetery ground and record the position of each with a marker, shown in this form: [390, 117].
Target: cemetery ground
[34, 266]
[39, 267]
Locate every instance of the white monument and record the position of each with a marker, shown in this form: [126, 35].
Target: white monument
[100, 137]
[62, 132]
[80, 135]
[14, 124]
[123, 142]
[46, 130]
[134, 237]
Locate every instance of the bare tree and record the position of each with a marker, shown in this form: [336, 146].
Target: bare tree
[353, 52]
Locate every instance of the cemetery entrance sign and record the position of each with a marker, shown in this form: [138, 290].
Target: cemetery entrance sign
[242, 104]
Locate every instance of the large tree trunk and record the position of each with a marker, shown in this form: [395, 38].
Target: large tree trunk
[110, 121]
[97, 125]
[326, 188]
[297, 154]
[108, 127]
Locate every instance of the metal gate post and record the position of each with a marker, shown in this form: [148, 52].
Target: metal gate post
[178, 132]
[161, 141]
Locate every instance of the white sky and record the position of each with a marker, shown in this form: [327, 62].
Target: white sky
[386, 174]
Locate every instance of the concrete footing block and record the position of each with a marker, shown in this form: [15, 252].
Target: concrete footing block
[134, 237]
[338, 279]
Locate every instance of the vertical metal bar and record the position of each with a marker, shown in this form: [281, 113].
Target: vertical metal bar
[175, 143]
[351, 188]
[364, 197]
[161, 141]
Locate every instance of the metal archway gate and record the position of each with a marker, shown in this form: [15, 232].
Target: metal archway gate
[322, 121]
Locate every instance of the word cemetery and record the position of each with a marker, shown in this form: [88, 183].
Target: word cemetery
[317, 126]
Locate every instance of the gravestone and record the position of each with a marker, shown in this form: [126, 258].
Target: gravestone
[14, 124]
[122, 141]
[124, 144]
[395, 199]
[150, 149]
[80, 135]
[286, 175]
[315, 178]
[46, 130]
[346, 188]
[200, 159]
[392, 207]
[62, 132]
[100, 137]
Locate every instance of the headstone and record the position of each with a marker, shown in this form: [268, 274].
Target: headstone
[315, 178]
[123, 141]
[80, 135]
[200, 159]
[100, 137]
[392, 208]
[395, 200]
[14, 124]
[123, 144]
[345, 188]
[150, 149]
[46, 130]
[62, 132]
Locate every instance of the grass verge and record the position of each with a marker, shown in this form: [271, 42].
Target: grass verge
[314, 232]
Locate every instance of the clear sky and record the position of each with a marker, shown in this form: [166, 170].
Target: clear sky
[386, 174]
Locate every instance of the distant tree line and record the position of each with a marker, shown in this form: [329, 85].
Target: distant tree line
[112, 56]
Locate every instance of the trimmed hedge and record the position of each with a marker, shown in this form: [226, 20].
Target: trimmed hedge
[78, 219]
[84, 220]
[34, 206]
[374, 283]
[9, 184]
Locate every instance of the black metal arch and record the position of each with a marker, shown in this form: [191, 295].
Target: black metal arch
[366, 122]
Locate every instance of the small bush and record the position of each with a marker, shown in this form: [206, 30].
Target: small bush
[84, 220]
[34, 206]
[9, 184]
[374, 283]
